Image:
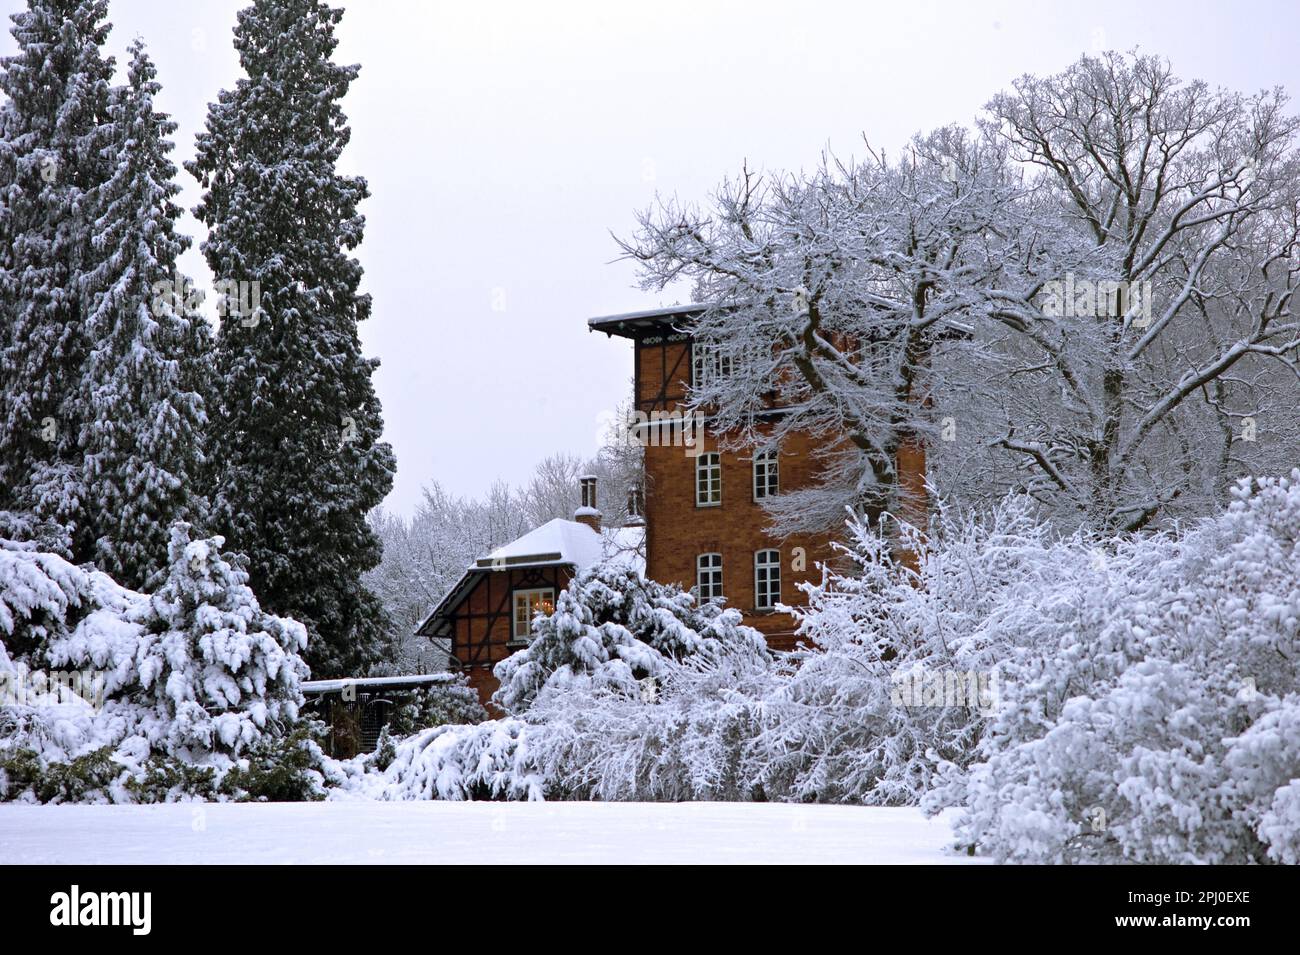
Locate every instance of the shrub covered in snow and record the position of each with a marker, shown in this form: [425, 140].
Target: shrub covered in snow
[196, 681]
[691, 738]
[692, 735]
[1150, 704]
[490, 760]
[629, 690]
[901, 671]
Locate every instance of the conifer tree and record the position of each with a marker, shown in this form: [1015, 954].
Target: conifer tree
[55, 148]
[143, 442]
[295, 439]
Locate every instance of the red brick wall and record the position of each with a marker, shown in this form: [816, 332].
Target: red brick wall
[677, 531]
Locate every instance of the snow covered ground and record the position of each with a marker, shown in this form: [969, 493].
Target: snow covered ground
[457, 833]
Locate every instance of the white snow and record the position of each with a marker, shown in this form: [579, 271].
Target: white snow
[556, 542]
[471, 832]
[370, 682]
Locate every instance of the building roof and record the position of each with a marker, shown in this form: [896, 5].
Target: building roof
[632, 324]
[556, 543]
[370, 684]
[635, 324]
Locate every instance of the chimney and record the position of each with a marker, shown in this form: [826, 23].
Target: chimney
[635, 507]
[588, 513]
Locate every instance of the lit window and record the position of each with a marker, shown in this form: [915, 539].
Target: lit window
[527, 603]
[767, 481]
[708, 364]
[708, 576]
[767, 579]
[708, 480]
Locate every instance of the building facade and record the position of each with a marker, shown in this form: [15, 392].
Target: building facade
[706, 526]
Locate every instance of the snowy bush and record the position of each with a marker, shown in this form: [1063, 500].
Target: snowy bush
[1149, 709]
[691, 735]
[611, 627]
[629, 690]
[195, 675]
[490, 760]
[901, 672]
[450, 700]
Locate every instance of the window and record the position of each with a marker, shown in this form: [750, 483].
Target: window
[527, 603]
[708, 577]
[708, 480]
[767, 579]
[767, 481]
[708, 364]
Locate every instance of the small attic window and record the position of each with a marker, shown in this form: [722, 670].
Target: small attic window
[527, 603]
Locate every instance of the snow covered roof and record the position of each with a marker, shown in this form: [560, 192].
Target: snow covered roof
[376, 682]
[627, 323]
[558, 542]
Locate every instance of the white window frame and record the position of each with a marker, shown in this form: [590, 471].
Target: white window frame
[709, 564]
[708, 466]
[708, 363]
[767, 579]
[767, 474]
[543, 595]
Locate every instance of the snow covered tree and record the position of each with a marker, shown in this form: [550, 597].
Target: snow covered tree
[614, 628]
[829, 295]
[193, 681]
[1088, 299]
[56, 152]
[298, 463]
[143, 442]
[1146, 289]
[217, 670]
[198, 668]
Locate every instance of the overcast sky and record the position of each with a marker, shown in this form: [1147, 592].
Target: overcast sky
[503, 142]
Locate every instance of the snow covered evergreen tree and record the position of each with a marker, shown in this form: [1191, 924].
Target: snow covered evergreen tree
[613, 627]
[295, 440]
[217, 669]
[55, 155]
[191, 683]
[143, 442]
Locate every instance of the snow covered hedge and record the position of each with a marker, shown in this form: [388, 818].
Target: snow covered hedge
[1150, 703]
[193, 689]
[621, 695]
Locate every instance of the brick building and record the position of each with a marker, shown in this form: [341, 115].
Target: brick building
[705, 521]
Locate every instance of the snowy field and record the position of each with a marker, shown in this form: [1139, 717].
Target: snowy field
[474, 832]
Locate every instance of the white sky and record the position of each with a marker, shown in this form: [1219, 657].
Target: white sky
[504, 141]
